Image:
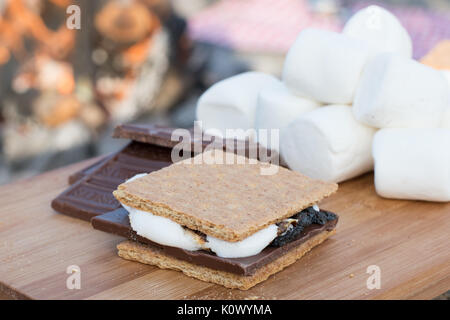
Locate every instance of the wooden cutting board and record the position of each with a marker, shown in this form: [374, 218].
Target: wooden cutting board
[409, 241]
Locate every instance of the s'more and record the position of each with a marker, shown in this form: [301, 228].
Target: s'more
[224, 223]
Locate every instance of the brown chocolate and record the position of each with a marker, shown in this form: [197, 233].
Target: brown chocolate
[77, 176]
[151, 134]
[162, 136]
[117, 222]
[92, 195]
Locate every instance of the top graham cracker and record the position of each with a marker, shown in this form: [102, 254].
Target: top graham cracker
[226, 201]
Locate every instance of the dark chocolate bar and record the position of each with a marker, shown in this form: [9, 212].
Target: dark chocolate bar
[151, 134]
[117, 222]
[92, 195]
[162, 136]
[77, 176]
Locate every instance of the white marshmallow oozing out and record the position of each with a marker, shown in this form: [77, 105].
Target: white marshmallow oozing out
[381, 30]
[328, 144]
[325, 66]
[231, 103]
[413, 164]
[400, 92]
[277, 107]
[244, 248]
[161, 230]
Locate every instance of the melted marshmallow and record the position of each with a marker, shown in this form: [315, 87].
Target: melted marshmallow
[244, 248]
[161, 230]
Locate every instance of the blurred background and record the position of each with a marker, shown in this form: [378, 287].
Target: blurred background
[63, 90]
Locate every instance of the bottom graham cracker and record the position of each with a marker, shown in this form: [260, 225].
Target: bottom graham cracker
[135, 251]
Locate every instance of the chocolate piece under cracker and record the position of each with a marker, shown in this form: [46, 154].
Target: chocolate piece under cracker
[152, 255]
[226, 201]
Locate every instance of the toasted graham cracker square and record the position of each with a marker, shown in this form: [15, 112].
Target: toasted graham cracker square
[144, 254]
[226, 201]
[439, 56]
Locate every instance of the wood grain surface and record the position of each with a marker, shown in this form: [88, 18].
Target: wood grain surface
[408, 240]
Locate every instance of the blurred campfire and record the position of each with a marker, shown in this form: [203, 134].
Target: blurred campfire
[60, 87]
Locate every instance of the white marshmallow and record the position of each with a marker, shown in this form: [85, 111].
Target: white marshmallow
[328, 144]
[231, 103]
[413, 164]
[247, 247]
[161, 230]
[400, 92]
[325, 66]
[277, 107]
[381, 30]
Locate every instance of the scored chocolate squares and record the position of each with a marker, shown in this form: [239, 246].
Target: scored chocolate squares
[90, 193]
[196, 212]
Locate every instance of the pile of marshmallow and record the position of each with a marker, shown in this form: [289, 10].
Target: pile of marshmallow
[348, 103]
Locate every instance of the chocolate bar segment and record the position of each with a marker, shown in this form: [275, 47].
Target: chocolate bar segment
[162, 136]
[151, 134]
[77, 176]
[117, 222]
[92, 195]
